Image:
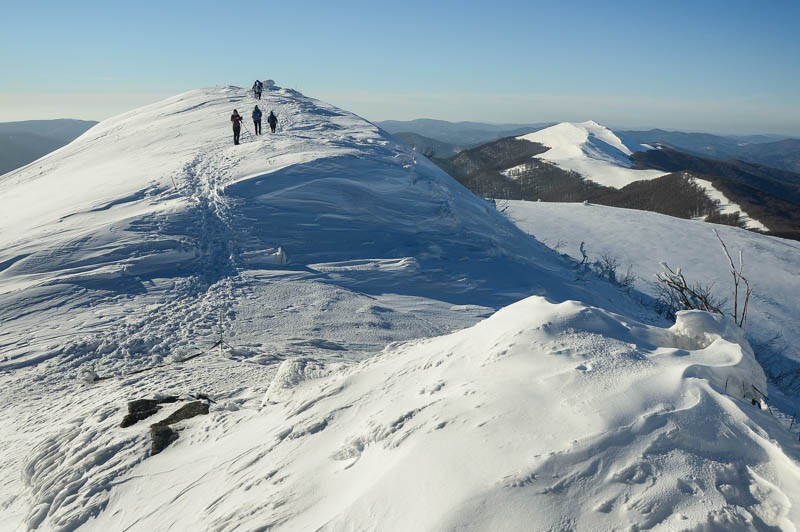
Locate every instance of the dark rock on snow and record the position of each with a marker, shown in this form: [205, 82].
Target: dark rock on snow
[189, 410]
[140, 409]
[161, 435]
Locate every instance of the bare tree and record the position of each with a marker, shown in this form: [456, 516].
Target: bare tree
[677, 293]
[739, 282]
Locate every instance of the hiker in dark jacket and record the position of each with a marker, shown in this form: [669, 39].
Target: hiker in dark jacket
[272, 120]
[257, 120]
[257, 88]
[236, 120]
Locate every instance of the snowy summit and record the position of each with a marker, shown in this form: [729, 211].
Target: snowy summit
[363, 344]
[598, 154]
[592, 150]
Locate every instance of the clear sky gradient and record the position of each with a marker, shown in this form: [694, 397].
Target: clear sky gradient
[724, 66]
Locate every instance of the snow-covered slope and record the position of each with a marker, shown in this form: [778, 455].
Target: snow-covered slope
[335, 266]
[592, 150]
[643, 240]
[160, 201]
[545, 416]
[137, 244]
[726, 206]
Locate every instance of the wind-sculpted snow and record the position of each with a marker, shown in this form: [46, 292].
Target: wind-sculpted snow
[271, 277]
[544, 416]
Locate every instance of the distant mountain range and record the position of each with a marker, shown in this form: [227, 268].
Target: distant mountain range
[458, 135]
[445, 138]
[769, 150]
[24, 142]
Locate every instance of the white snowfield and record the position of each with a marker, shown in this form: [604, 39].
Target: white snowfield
[336, 267]
[545, 416]
[643, 240]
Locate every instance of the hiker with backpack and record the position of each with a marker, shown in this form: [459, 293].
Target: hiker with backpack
[272, 120]
[257, 120]
[257, 88]
[236, 120]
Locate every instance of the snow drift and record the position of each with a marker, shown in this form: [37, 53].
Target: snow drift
[551, 416]
[643, 240]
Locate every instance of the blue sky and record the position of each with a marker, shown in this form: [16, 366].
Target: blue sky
[723, 66]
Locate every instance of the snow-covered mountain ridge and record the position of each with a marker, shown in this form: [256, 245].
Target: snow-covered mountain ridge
[335, 266]
[592, 150]
[161, 193]
[598, 154]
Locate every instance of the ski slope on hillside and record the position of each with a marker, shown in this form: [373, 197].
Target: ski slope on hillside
[328, 268]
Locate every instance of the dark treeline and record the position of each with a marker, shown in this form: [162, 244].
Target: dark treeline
[769, 195]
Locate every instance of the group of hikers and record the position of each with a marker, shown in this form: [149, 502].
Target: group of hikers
[236, 118]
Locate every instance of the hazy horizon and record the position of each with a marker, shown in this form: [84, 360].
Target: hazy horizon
[615, 127]
[727, 67]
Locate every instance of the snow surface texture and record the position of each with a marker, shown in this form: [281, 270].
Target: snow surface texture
[551, 416]
[309, 251]
[133, 246]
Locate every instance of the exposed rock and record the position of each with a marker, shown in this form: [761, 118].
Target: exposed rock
[140, 409]
[189, 410]
[161, 436]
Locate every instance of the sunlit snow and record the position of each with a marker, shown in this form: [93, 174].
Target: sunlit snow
[385, 351]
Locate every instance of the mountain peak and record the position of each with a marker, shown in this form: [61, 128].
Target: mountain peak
[161, 192]
[592, 150]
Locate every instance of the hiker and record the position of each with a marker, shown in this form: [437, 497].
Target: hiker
[272, 120]
[257, 120]
[236, 120]
[257, 88]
